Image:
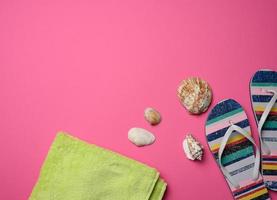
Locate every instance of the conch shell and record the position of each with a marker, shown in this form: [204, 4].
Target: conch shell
[192, 148]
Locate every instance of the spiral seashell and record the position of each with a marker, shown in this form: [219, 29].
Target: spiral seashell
[192, 148]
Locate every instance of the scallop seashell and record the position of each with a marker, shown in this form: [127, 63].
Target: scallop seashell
[195, 95]
[192, 148]
[140, 136]
[152, 116]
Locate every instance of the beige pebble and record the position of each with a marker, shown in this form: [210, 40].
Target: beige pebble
[152, 116]
[195, 95]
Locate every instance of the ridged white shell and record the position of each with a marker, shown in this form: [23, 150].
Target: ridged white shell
[192, 148]
[140, 136]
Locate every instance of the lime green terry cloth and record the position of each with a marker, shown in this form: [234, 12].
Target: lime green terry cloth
[76, 170]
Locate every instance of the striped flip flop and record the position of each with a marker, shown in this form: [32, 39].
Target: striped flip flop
[263, 87]
[229, 138]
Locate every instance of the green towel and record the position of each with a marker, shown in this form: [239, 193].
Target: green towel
[76, 170]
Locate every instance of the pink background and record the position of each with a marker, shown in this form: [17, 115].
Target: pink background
[92, 67]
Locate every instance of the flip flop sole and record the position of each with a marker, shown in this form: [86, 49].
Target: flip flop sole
[266, 80]
[238, 157]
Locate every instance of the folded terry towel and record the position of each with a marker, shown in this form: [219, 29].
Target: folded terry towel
[76, 170]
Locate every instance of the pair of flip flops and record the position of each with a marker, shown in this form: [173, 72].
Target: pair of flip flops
[229, 138]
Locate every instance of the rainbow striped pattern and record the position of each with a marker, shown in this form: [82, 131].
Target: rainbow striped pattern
[261, 81]
[238, 157]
